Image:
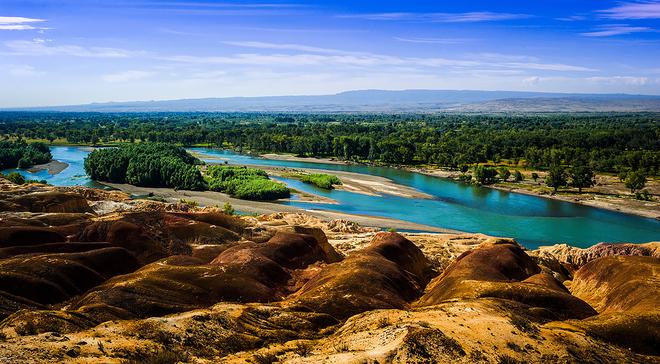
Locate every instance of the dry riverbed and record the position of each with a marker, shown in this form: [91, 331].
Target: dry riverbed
[53, 167]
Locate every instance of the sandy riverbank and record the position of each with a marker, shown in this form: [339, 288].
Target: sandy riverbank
[609, 193]
[53, 167]
[209, 198]
[356, 182]
[293, 158]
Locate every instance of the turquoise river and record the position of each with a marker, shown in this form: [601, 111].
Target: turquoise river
[531, 220]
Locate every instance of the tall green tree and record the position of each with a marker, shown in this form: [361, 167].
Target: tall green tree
[635, 181]
[485, 175]
[556, 177]
[581, 177]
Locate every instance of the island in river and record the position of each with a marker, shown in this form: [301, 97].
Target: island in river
[453, 206]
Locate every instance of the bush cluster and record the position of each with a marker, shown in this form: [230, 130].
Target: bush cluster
[245, 183]
[321, 180]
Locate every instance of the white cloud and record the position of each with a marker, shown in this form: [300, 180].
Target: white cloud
[637, 81]
[573, 18]
[470, 17]
[126, 76]
[18, 23]
[285, 46]
[329, 57]
[616, 29]
[624, 80]
[18, 20]
[22, 70]
[634, 10]
[433, 40]
[39, 47]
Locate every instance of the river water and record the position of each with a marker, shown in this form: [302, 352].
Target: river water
[531, 220]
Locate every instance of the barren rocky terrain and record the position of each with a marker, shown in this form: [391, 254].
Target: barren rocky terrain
[89, 276]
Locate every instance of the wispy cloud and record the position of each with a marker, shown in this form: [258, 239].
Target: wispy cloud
[433, 40]
[18, 23]
[21, 70]
[600, 80]
[625, 80]
[471, 17]
[616, 29]
[126, 76]
[315, 56]
[300, 56]
[633, 10]
[286, 46]
[40, 47]
[201, 4]
[572, 18]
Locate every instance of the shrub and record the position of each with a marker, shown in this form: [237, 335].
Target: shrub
[643, 195]
[260, 189]
[504, 173]
[518, 177]
[228, 209]
[160, 357]
[535, 176]
[635, 181]
[245, 183]
[190, 203]
[16, 178]
[465, 178]
[321, 180]
[485, 175]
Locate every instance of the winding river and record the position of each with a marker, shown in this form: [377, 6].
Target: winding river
[531, 220]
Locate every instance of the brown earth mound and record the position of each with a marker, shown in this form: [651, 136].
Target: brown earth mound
[247, 272]
[53, 278]
[625, 290]
[51, 248]
[29, 235]
[504, 271]
[389, 273]
[577, 257]
[619, 284]
[51, 201]
[156, 235]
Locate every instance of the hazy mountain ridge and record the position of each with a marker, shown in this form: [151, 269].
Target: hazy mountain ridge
[386, 101]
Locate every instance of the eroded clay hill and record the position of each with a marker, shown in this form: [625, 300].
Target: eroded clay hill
[90, 276]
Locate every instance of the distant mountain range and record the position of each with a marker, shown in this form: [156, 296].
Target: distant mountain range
[386, 101]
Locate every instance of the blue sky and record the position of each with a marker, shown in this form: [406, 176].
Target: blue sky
[56, 52]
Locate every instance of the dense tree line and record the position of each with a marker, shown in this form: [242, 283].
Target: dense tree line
[19, 154]
[611, 142]
[146, 164]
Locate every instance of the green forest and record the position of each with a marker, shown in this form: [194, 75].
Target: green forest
[612, 142]
[146, 164]
[19, 154]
